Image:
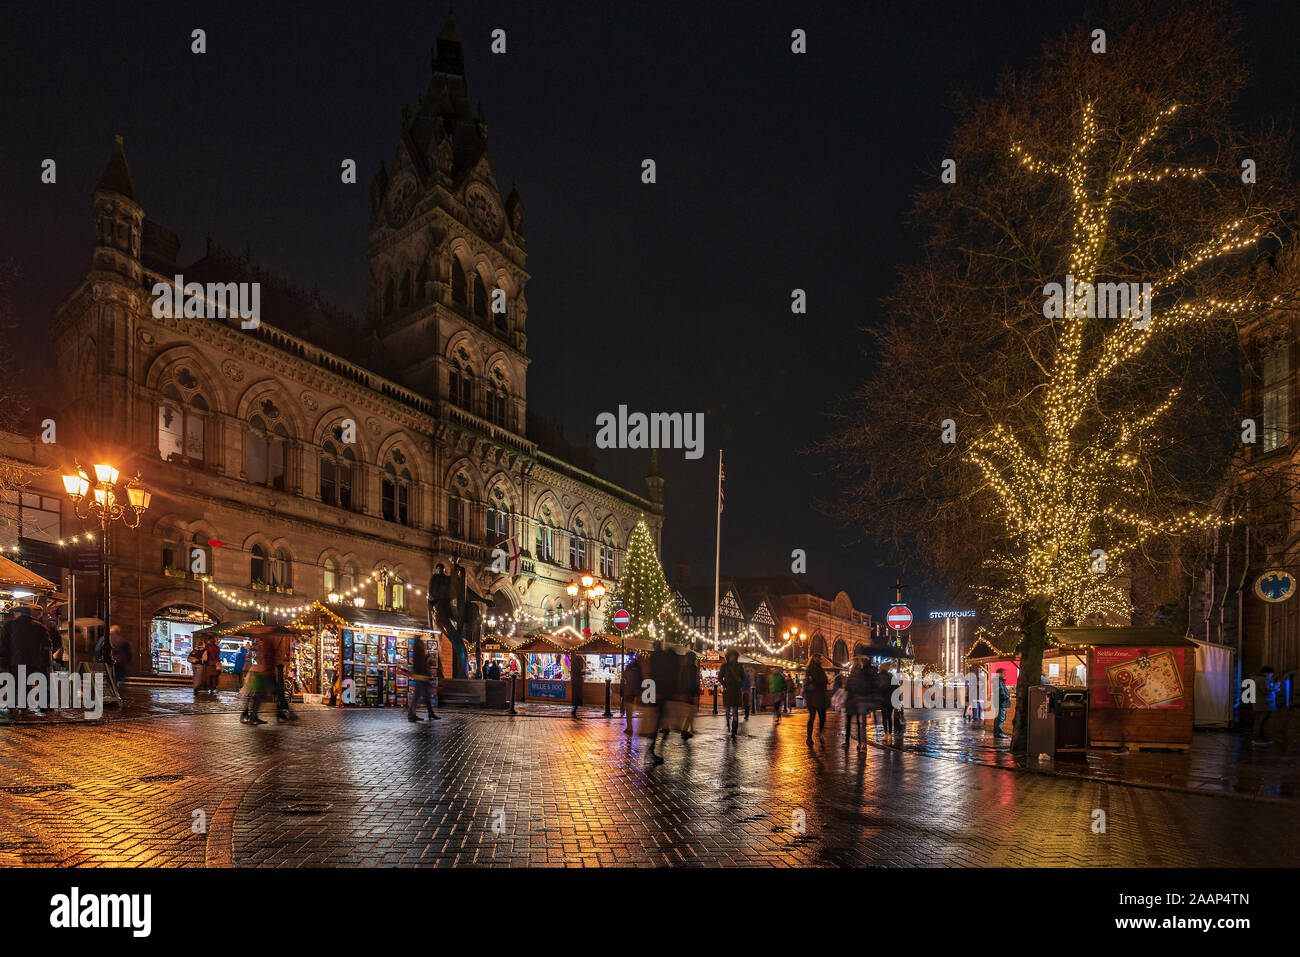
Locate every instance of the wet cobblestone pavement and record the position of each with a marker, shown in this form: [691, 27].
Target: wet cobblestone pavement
[356, 787]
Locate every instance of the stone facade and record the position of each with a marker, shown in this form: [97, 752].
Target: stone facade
[318, 450]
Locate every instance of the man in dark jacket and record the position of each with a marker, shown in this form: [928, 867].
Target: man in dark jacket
[815, 697]
[732, 678]
[885, 684]
[663, 672]
[577, 669]
[26, 644]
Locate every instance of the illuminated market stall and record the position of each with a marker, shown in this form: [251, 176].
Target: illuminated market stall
[359, 656]
[1137, 683]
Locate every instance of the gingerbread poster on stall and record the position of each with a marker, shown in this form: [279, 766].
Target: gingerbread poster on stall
[1137, 678]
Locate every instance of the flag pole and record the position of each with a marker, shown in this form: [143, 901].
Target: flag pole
[717, 562]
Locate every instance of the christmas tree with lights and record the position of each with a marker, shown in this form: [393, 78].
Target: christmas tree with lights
[643, 591]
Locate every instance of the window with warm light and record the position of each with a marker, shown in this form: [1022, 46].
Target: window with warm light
[1275, 397]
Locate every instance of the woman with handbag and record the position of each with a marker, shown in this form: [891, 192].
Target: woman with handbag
[195, 658]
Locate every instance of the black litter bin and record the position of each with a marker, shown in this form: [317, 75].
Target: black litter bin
[1072, 721]
[495, 693]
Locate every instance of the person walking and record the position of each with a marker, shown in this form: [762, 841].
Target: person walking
[815, 697]
[123, 653]
[776, 687]
[212, 663]
[871, 676]
[746, 691]
[24, 644]
[263, 680]
[631, 690]
[690, 693]
[734, 680]
[885, 691]
[1004, 702]
[577, 670]
[664, 668]
[422, 679]
[1265, 705]
[856, 703]
[241, 663]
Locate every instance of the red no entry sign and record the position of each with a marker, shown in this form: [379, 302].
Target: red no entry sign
[622, 619]
[899, 617]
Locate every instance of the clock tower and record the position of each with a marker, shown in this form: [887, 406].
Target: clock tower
[445, 290]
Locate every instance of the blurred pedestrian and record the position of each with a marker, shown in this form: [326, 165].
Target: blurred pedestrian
[123, 653]
[25, 644]
[262, 680]
[885, 692]
[1004, 702]
[857, 701]
[734, 679]
[747, 691]
[212, 663]
[815, 698]
[577, 670]
[1265, 705]
[776, 689]
[241, 662]
[631, 689]
[664, 668]
[690, 693]
[422, 679]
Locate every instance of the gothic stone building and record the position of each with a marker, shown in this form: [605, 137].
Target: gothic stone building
[303, 455]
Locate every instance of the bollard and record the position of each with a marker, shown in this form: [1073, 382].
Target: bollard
[512, 695]
[715, 699]
[608, 712]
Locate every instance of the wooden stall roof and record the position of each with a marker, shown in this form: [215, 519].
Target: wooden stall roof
[13, 575]
[988, 648]
[1122, 637]
[507, 643]
[544, 644]
[372, 619]
[609, 645]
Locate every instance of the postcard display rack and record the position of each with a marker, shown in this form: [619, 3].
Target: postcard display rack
[379, 666]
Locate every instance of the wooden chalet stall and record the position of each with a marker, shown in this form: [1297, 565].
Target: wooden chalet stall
[545, 665]
[1139, 681]
[605, 658]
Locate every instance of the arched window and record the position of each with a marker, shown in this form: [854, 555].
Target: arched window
[336, 467]
[545, 542]
[258, 566]
[458, 285]
[578, 547]
[395, 494]
[480, 297]
[267, 452]
[348, 580]
[330, 577]
[460, 387]
[496, 526]
[499, 317]
[282, 569]
[173, 552]
[607, 556]
[182, 418]
[198, 556]
[458, 518]
[495, 403]
[397, 588]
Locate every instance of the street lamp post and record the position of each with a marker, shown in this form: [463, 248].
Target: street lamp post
[101, 501]
[589, 592]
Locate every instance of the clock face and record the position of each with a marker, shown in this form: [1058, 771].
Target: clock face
[401, 201]
[484, 212]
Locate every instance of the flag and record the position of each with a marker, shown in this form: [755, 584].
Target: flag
[514, 556]
[215, 543]
[722, 477]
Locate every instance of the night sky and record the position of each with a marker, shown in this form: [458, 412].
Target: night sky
[776, 171]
